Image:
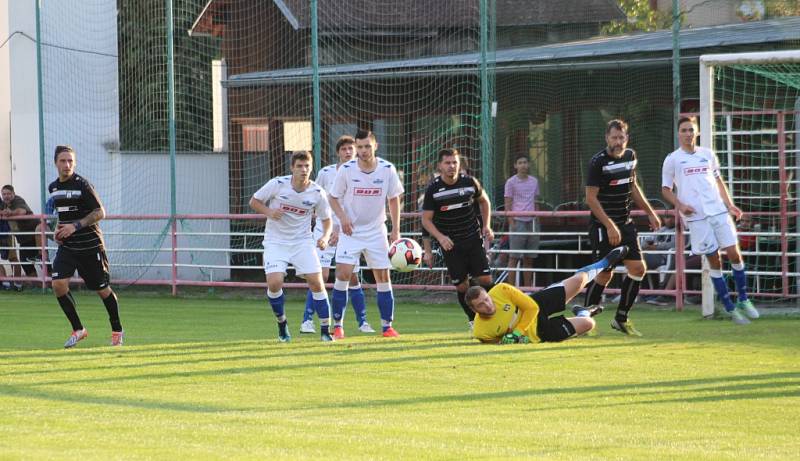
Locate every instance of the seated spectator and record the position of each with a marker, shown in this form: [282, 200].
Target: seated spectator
[662, 240]
[745, 224]
[13, 205]
[5, 252]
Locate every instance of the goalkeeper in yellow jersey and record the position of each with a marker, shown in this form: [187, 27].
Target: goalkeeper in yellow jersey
[506, 315]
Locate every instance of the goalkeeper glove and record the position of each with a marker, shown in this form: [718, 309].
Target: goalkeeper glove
[515, 337]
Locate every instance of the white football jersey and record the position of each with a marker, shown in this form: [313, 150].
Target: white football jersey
[695, 176]
[325, 178]
[363, 195]
[298, 209]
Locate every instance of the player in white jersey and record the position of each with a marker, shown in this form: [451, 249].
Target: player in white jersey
[706, 206]
[346, 151]
[358, 197]
[289, 203]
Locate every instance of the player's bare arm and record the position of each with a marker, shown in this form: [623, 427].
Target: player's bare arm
[322, 243]
[672, 199]
[735, 211]
[394, 215]
[486, 215]
[334, 238]
[259, 207]
[345, 224]
[614, 237]
[644, 204]
[427, 223]
[63, 231]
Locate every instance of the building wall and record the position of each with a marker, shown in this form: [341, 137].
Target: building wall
[19, 135]
[705, 12]
[5, 101]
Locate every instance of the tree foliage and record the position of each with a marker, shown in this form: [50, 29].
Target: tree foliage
[779, 8]
[143, 77]
[640, 18]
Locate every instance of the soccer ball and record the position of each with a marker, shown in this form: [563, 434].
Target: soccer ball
[405, 255]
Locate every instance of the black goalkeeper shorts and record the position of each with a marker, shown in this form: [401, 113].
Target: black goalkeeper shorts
[551, 300]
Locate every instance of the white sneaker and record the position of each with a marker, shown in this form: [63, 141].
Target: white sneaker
[738, 317]
[307, 327]
[366, 328]
[748, 308]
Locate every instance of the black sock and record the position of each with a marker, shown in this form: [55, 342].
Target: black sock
[113, 311]
[282, 326]
[67, 303]
[630, 289]
[462, 300]
[593, 294]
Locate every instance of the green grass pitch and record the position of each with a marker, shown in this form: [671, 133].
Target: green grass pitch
[206, 379]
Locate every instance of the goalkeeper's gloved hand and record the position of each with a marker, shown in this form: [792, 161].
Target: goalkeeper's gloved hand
[515, 337]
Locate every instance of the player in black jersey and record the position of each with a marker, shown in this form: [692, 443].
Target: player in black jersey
[450, 215]
[610, 188]
[80, 246]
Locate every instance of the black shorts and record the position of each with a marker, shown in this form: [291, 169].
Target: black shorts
[92, 266]
[466, 258]
[598, 236]
[551, 300]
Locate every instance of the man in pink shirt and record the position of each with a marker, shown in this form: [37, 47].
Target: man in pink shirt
[520, 195]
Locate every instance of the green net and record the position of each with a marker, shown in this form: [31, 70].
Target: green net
[254, 80]
[756, 129]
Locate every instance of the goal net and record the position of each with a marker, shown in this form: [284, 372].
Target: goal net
[750, 115]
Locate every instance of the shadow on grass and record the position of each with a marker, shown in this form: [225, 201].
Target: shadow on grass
[67, 397]
[318, 353]
[721, 386]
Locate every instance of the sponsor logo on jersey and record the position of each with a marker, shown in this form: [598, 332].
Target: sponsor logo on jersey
[367, 191]
[66, 194]
[455, 206]
[692, 170]
[506, 307]
[308, 203]
[378, 181]
[293, 209]
[619, 182]
[611, 167]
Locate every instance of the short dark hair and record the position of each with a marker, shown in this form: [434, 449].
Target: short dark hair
[685, 119]
[8, 187]
[617, 123]
[452, 152]
[301, 155]
[344, 140]
[60, 149]
[366, 134]
[519, 156]
[472, 293]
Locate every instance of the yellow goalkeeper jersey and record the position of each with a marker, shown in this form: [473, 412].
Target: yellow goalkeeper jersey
[514, 310]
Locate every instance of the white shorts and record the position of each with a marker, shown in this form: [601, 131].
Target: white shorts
[328, 255]
[711, 233]
[375, 249]
[278, 256]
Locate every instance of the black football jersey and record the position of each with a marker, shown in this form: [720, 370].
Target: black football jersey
[73, 199]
